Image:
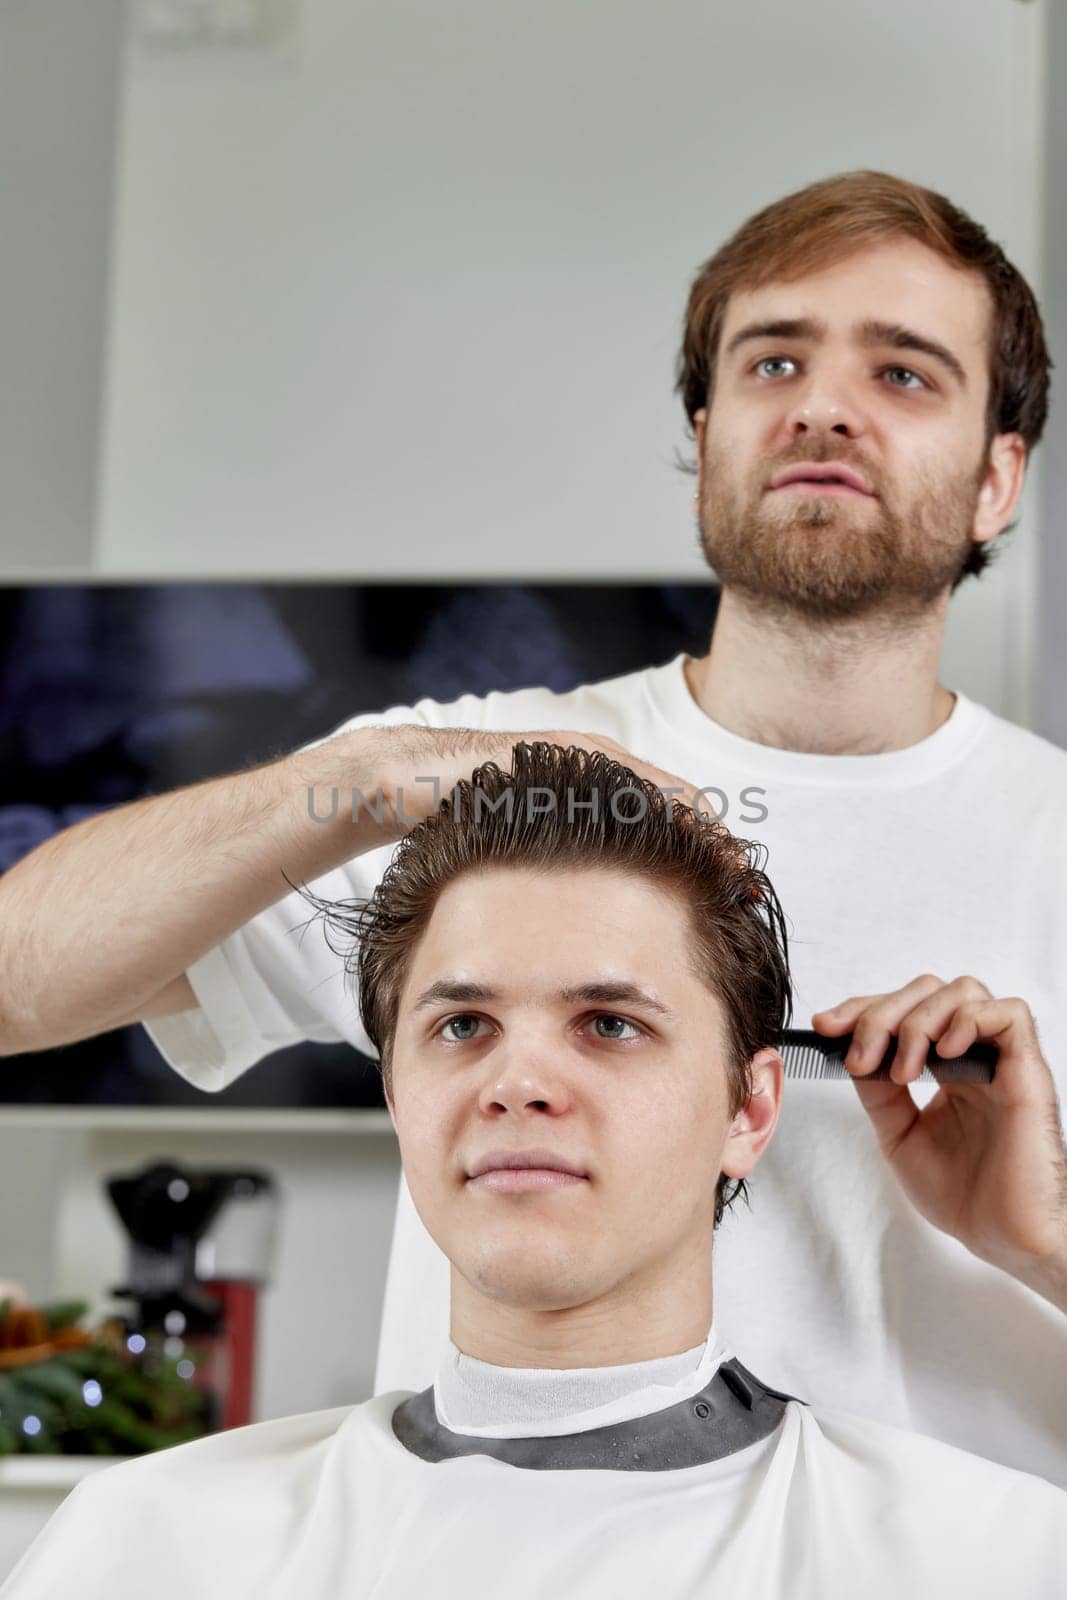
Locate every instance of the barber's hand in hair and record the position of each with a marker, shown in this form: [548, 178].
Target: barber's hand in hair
[984, 1162]
[417, 768]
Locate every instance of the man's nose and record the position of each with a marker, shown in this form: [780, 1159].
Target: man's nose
[525, 1077]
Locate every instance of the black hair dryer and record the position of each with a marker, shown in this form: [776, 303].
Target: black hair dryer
[201, 1244]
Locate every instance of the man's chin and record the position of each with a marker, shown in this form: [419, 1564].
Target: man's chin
[552, 1283]
[531, 1295]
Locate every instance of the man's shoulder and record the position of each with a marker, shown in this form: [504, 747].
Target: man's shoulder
[191, 1519]
[924, 1464]
[258, 1448]
[601, 705]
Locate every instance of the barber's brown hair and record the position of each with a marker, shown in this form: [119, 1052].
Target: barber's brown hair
[825, 222]
[565, 809]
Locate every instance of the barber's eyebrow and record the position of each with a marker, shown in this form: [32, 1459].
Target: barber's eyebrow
[778, 328]
[598, 992]
[870, 333]
[901, 338]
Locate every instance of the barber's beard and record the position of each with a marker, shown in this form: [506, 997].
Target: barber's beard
[827, 558]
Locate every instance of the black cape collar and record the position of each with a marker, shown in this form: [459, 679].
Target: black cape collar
[733, 1411]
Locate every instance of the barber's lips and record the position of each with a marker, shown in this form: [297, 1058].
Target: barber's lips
[832, 480]
[826, 488]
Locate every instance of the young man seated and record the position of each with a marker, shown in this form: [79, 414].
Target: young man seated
[576, 991]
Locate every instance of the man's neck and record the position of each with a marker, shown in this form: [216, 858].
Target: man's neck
[613, 1330]
[857, 687]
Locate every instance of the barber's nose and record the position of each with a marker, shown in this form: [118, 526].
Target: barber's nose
[824, 406]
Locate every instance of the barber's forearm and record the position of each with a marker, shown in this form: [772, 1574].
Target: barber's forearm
[1046, 1275]
[99, 918]
[1049, 1279]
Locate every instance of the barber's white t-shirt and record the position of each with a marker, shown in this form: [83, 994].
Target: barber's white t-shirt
[947, 857]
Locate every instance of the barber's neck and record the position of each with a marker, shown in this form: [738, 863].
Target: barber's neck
[855, 687]
[618, 1328]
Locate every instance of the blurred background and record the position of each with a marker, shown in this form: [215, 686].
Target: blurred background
[393, 288]
[301, 297]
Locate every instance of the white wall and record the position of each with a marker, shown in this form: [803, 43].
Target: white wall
[408, 302]
[59, 78]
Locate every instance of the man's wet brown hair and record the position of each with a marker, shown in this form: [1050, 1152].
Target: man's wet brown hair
[567, 809]
[822, 224]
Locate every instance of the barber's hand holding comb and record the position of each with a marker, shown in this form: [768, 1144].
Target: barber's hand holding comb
[984, 1162]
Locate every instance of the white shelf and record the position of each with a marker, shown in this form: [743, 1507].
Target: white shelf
[181, 1119]
[50, 1472]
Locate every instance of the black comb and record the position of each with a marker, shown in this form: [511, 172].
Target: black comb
[806, 1054]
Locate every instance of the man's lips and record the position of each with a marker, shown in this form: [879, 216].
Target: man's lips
[507, 1170]
[822, 478]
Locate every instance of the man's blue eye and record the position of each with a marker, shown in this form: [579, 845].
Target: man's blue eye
[906, 372]
[465, 1026]
[465, 1017]
[610, 1017]
[774, 361]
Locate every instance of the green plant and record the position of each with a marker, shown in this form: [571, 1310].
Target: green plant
[81, 1392]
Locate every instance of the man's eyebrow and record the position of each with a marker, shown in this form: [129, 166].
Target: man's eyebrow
[901, 338]
[447, 990]
[871, 332]
[459, 992]
[615, 993]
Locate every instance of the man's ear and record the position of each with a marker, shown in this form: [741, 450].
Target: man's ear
[389, 1103]
[753, 1127]
[1001, 486]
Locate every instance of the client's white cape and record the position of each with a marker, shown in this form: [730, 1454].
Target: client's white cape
[331, 1504]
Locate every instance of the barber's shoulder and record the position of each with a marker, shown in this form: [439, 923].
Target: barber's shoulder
[598, 706]
[1024, 757]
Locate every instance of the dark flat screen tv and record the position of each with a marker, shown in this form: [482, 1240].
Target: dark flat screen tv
[110, 692]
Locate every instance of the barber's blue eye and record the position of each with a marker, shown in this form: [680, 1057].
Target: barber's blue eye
[773, 361]
[453, 1022]
[610, 1017]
